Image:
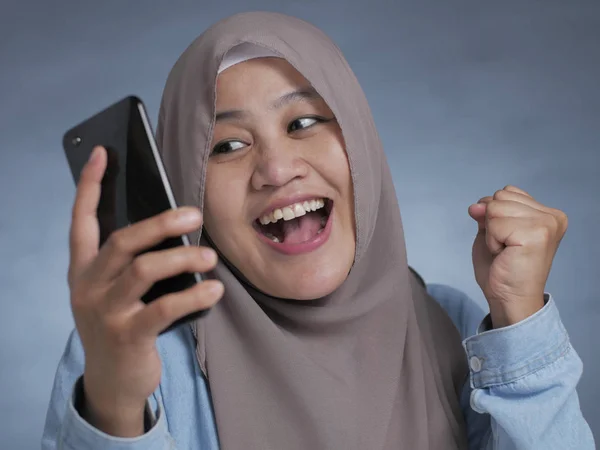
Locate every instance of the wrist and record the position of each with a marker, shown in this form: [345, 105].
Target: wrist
[504, 314]
[110, 414]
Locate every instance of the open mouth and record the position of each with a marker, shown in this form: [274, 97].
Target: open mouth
[297, 223]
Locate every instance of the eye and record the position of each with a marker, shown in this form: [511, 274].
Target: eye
[225, 147]
[304, 122]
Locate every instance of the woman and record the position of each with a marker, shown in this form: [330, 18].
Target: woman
[323, 338]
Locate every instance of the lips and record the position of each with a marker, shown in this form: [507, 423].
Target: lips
[287, 246]
[306, 201]
[292, 211]
[299, 230]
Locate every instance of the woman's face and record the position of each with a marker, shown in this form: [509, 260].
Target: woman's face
[279, 199]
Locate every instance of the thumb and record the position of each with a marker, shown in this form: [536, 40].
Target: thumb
[477, 212]
[84, 236]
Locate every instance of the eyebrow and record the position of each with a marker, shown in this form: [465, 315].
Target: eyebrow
[302, 94]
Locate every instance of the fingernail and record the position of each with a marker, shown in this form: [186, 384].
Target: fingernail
[216, 287]
[208, 254]
[188, 216]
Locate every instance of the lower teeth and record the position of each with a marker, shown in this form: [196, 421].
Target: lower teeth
[276, 239]
[273, 238]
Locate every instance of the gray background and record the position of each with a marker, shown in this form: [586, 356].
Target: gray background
[468, 95]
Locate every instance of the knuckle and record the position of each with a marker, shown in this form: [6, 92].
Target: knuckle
[185, 253]
[118, 241]
[541, 235]
[176, 259]
[565, 222]
[164, 310]
[140, 269]
[501, 195]
[554, 224]
[562, 219]
[165, 221]
[558, 222]
[551, 222]
[493, 209]
[193, 259]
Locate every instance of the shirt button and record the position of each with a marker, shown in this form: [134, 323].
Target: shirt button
[475, 364]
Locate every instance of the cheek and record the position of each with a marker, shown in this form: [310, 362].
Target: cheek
[340, 176]
[337, 166]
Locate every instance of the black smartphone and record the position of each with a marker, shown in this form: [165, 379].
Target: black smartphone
[135, 185]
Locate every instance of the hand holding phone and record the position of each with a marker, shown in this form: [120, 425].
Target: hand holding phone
[122, 245]
[135, 185]
[117, 330]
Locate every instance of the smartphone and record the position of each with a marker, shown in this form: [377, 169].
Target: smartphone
[135, 185]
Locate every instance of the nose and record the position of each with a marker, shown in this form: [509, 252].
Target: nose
[277, 165]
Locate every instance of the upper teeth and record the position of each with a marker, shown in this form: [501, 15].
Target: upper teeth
[292, 211]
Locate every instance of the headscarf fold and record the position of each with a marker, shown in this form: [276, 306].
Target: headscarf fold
[377, 364]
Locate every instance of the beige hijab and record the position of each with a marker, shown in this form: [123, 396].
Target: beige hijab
[377, 364]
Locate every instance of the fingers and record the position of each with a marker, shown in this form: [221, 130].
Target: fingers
[84, 233]
[508, 223]
[504, 218]
[477, 212]
[499, 218]
[488, 208]
[503, 232]
[496, 232]
[161, 313]
[517, 190]
[513, 201]
[123, 245]
[151, 267]
[509, 208]
[512, 193]
[519, 195]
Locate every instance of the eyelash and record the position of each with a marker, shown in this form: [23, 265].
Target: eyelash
[316, 119]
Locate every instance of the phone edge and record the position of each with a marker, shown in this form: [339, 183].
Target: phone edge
[161, 169]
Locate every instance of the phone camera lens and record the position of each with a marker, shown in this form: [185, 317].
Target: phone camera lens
[76, 141]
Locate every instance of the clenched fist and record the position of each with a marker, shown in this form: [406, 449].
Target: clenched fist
[513, 252]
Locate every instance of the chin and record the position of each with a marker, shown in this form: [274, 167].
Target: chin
[308, 286]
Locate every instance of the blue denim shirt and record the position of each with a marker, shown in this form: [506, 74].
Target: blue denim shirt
[520, 393]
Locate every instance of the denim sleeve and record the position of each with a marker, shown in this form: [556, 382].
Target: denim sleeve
[521, 393]
[525, 377]
[65, 429]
